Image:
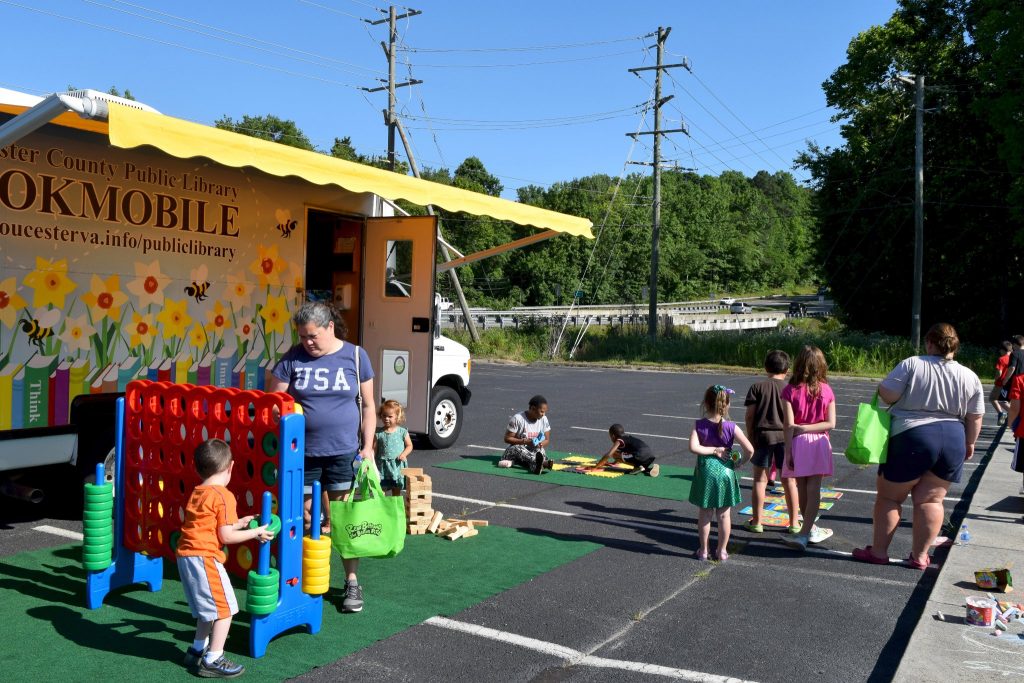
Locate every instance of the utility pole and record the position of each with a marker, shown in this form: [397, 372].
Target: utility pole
[915, 304]
[662, 36]
[915, 308]
[389, 52]
[393, 123]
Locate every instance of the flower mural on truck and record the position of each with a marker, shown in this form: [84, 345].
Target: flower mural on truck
[50, 283]
[149, 284]
[10, 302]
[268, 266]
[77, 333]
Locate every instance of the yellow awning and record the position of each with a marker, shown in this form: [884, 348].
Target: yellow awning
[183, 139]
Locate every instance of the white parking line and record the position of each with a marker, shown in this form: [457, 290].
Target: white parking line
[836, 488]
[575, 657]
[57, 531]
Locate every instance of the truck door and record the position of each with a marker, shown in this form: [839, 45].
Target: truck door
[398, 296]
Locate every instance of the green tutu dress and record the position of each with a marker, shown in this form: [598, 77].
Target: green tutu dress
[715, 484]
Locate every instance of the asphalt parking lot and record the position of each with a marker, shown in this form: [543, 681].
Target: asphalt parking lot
[640, 607]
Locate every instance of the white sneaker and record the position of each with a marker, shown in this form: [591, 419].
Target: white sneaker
[819, 534]
[504, 463]
[795, 541]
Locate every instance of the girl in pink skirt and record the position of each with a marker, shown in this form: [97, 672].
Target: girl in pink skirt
[810, 412]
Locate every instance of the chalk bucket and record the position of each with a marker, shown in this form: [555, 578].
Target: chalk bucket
[981, 611]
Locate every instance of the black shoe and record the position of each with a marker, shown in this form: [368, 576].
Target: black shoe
[353, 601]
[538, 463]
[549, 464]
[771, 483]
[222, 668]
[192, 659]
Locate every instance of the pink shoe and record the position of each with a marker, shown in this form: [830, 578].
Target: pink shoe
[722, 556]
[865, 555]
[914, 564]
[701, 555]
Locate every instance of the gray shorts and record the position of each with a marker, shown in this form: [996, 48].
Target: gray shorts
[207, 588]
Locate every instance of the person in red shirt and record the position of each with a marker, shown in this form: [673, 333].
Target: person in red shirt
[1015, 394]
[1002, 363]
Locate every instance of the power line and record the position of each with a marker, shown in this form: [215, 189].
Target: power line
[334, 10]
[540, 63]
[178, 45]
[318, 60]
[532, 48]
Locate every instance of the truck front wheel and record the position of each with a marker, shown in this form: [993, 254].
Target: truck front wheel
[445, 417]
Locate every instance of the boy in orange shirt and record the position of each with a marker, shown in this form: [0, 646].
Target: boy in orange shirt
[210, 523]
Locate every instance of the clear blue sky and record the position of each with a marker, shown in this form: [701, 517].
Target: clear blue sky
[554, 112]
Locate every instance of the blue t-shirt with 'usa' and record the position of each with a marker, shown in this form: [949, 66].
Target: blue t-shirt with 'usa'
[326, 388]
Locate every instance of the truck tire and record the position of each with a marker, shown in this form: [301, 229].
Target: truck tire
[445, 417]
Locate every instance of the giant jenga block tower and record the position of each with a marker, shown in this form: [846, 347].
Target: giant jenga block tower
[417, 495]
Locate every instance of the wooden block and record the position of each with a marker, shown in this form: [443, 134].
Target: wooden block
[412, 471]
[458, 533]
[478, 522]
[470, 532]
[435, 521]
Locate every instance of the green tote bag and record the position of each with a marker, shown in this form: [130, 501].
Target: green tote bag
[869, 443]
[372, 525]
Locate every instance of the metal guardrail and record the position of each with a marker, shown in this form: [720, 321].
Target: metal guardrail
[698, 320]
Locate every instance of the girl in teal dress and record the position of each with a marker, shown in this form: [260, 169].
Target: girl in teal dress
[391, 447]
[715, 485]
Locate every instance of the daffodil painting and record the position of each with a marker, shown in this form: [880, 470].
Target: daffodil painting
[116, 284]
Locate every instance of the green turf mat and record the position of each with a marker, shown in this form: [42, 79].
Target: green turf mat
[673, 483]
[138, 635]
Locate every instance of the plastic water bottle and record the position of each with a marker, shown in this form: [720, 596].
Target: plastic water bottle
[965, 536]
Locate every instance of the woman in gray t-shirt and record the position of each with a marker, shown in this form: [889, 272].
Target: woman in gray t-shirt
[936, 407]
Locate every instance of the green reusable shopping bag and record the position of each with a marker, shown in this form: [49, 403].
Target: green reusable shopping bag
[869, 443]
[370, 524]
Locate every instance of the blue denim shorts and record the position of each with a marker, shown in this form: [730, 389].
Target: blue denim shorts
[939, 448]
[334, 472]
[764, 455]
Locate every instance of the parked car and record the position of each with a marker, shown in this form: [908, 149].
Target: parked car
[442, 303]
[740, 307]
[728, 301]
[797, 309]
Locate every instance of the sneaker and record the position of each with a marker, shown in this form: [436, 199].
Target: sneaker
[819, 534]
[549, 464]
[754, 528]
[654, 470]
[353, 601]
[221, 668]
[796, 541]
[192, 658]
[538, 463]
[505, 463]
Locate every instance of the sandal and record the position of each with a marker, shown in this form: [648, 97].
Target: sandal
[722, 556]
[702, 556]
[865, 555]
[754, 528]
[914, 564]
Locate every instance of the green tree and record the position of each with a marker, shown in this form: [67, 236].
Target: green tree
[865, 187]
[268, 127]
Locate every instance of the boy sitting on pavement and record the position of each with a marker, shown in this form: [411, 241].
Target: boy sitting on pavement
[210, 523]
[528, 434]
[628, 450]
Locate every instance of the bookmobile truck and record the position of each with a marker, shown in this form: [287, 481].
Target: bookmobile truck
[137, 245]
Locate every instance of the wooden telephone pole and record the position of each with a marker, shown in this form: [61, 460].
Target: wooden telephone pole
[659, 101]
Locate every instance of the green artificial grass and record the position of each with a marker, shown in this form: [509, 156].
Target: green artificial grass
[673, 483]
[49, 634]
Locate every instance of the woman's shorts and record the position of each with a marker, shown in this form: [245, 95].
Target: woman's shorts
[812, 456]
[334, 472]
[764, 456]
[939, 448]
